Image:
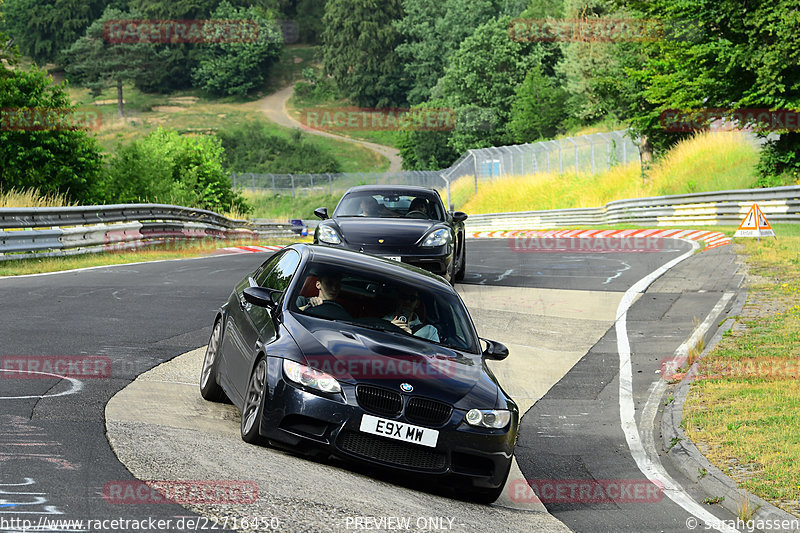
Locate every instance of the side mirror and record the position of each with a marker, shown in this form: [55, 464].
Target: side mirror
[321, 212]
[262, 296]
[495, 350]
[459, 216]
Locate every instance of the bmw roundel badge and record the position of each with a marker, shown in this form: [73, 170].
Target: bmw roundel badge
[406, 387]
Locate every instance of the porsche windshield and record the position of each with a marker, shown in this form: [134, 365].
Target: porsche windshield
[386, 204]
[375, 302]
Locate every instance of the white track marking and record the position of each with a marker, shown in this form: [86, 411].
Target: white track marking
[650, 467]
[75, 386]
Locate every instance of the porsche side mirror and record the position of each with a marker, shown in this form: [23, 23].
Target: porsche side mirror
[459, 216]
[495, 350]
[321, 212]
[261, 296]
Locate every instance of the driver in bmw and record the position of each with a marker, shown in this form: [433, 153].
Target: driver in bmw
[328, 286]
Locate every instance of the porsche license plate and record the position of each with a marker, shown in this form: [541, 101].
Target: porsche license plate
[399, 431]
[394, 258]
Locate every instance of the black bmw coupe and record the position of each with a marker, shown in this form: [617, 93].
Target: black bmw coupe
[334, 351]
[404, 223]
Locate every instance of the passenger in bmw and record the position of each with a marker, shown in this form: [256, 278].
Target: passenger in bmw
[405, 317]
[329, 286]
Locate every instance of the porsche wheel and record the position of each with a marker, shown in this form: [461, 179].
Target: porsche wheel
[462, 267]
[254, 404]
[209, 388]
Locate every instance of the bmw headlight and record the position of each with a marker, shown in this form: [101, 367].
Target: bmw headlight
[488, 418]
[308, 377]
[328, 235]
[440, 237]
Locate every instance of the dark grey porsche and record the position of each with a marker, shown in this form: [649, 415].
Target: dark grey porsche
[333, 351]
[404, 223]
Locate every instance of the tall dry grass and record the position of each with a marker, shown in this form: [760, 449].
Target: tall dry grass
[32, 198]
[706, 162]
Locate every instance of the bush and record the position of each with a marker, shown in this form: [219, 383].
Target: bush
[780, 161]
[253, 148]
[53, 160]
[166, 167]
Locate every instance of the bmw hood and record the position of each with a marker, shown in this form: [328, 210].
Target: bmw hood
[359, 231]
[355, 355]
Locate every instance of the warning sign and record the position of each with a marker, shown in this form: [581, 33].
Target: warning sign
[755, 224]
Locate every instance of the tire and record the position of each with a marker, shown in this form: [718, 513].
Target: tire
[209, 388]
[254, 404]
[486, 496]
[462, 269]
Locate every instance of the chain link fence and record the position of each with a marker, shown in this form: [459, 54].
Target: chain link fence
[303, 184]
[586, 153]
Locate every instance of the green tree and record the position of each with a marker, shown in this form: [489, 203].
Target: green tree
[603, 79]
[234, 68]
[728, 57]
[166, 167]
[481, 81]
[9, 53]
[426, 150]
[432, 30]
[171, 68]
[53, 160]
[43, 28]
[358, 50]
[97, 62]
[538, 108]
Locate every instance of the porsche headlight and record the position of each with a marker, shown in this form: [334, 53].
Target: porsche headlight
[308, 377]
[488, 418]
[328, 235]
[440, 237]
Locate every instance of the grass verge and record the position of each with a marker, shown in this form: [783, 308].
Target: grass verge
[744, 410]
[299, 108]
[284, 207]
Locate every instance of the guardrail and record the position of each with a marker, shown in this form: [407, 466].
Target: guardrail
[779, 204]
[33, 231]
[55, 231]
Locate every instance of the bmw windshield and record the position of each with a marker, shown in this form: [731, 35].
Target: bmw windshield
[373, 301]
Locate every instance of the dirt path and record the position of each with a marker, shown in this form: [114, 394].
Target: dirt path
[274, 107]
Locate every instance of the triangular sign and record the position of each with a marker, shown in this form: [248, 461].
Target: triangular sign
[755, 224]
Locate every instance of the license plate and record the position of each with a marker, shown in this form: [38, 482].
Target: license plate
[393, 258]
[399, 431]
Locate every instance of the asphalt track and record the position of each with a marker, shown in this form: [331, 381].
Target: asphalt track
[55, 459]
